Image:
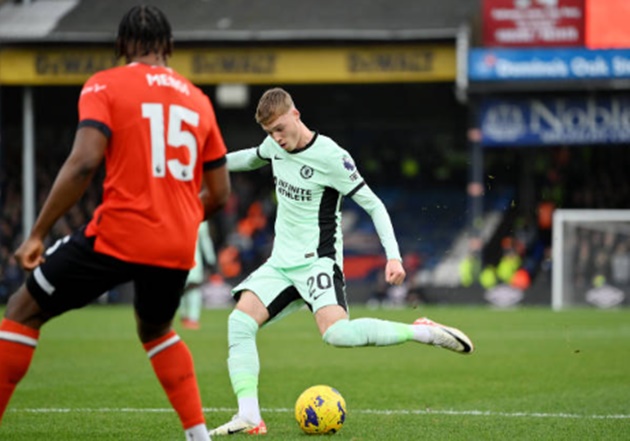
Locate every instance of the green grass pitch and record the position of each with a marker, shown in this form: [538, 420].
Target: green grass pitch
[535, 375]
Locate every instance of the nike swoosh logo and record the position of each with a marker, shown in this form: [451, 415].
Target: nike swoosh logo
[317, 297]
[466, 346]
[277, 157]
[232, 432]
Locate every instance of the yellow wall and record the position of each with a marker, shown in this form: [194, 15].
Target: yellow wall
[350, 64]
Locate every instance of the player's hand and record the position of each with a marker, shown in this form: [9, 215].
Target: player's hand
[394, 272]
[30, 254]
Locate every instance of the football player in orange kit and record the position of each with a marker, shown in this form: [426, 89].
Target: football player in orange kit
[159, 137]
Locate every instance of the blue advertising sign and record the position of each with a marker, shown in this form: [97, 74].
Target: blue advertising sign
[547, 64]
[552, 121]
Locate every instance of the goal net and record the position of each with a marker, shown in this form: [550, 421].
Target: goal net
[591, 258]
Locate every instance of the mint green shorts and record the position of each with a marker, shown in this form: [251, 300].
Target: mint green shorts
[285, 290]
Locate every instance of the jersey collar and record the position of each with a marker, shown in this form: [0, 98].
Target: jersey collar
[312, 141]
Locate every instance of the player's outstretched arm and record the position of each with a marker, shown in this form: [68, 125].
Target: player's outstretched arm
[371, 203]
[72, 180]
[245, 160]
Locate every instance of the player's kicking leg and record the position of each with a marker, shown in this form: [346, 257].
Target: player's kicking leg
[338, 330]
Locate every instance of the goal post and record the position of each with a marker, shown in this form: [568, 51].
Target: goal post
[590, 257]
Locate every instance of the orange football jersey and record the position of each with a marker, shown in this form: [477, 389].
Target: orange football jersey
[162, 133]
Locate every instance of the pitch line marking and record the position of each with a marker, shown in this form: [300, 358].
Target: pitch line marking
[482, 413]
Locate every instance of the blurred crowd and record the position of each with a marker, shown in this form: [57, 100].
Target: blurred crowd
[243, 232]
[11, 234]
[568, 178]
[602, 257]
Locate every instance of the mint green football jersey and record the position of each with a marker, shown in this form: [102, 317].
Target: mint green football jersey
[310, 186]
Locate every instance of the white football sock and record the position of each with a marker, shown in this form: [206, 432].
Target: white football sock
[197, 433]
[422, 333]
[249, 410]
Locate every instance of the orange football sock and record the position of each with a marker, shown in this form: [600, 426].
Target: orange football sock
[173, 365]
[17, 345]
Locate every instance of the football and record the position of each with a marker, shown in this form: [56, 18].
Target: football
[320, 409]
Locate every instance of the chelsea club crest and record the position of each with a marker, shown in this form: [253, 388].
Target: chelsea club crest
[306, 172]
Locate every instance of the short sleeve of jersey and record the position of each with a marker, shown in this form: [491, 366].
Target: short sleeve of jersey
[94, 101]
[344, 175]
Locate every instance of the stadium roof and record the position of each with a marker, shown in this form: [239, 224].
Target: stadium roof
[95, 21]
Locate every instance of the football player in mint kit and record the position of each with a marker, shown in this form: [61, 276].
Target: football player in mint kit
[312, 175]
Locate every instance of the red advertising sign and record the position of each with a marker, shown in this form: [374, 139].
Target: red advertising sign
[607, 24]
[510, 23]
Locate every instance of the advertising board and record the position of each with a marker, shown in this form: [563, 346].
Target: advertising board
[554, 121]
[510, 23]
[547, 64]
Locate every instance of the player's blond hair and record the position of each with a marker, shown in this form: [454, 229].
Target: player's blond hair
[274, 103]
